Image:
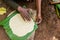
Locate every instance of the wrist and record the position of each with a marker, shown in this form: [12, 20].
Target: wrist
[39, 13]
[19, 8]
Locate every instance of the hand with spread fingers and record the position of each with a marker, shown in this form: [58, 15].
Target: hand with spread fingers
[24, 13]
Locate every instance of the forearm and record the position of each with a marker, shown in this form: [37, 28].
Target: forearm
[38, 5]
[12, 4]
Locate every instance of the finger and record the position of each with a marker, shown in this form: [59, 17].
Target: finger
[27, 17]
[22, 17]
[39, 21]
[27, 10]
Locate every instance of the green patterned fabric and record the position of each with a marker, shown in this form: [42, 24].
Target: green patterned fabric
[5, 24]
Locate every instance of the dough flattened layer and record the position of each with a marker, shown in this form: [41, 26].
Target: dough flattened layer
[20, 27]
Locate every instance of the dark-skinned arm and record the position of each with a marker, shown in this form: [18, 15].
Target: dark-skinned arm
[11, 3]
[38, 5]
[23, 11]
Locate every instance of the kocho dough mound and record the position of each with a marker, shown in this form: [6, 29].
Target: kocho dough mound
[20, 27]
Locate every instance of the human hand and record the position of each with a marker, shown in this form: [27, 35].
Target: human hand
[39, 18]
[24, 13]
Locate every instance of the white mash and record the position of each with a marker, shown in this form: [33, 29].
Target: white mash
[20, 27]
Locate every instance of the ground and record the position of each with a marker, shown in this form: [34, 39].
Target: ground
[49, 29]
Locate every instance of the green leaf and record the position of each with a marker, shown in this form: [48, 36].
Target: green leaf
[57, 11]
[58, 5]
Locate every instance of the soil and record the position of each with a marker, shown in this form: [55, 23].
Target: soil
[49, 28]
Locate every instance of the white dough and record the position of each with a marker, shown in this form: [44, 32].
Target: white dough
[20, 27]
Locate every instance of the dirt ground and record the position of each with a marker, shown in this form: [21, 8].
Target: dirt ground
[49, 29]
